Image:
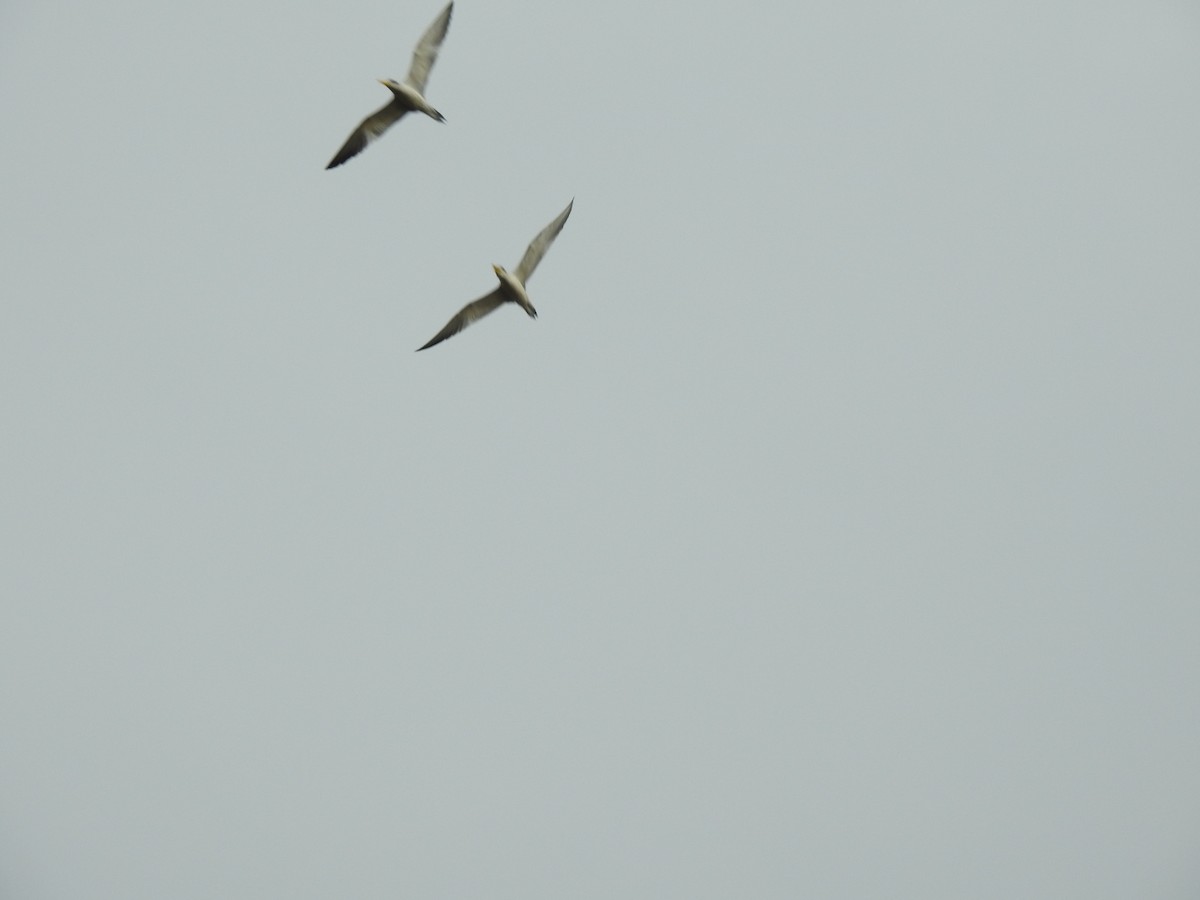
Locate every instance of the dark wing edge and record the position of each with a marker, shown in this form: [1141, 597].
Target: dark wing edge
[476, 309]
[425, 54]
[368, 130]
[355, 144]
[541, 244]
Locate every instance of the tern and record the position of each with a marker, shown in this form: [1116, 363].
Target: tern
[512, 284]
[407, 96]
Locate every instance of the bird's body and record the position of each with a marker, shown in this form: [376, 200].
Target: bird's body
[514, 290]
[512, 284]
[407, 96]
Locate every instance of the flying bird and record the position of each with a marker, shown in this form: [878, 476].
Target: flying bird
[407, 96]
[512, 284]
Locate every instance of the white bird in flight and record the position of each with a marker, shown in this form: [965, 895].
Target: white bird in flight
[407, 96]
[512, 284]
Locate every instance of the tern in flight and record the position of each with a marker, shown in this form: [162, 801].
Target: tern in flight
[512, 284]
[407, 96]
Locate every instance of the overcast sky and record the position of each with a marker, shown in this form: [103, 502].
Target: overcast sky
[834, 532]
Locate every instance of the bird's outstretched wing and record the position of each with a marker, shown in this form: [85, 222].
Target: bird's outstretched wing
[426, 51]
[540, 244]
[368, 131]
[475, 310]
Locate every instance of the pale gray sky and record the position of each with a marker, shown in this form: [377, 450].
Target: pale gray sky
[832, 533]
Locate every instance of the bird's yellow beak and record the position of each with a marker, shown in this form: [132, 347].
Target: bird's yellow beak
[497, 269]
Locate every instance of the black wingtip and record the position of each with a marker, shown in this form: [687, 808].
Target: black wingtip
[348, 151]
